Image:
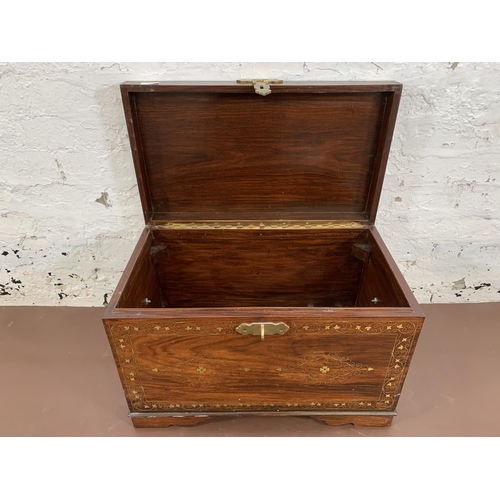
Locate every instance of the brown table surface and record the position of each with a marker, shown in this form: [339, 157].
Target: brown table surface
[59, 379]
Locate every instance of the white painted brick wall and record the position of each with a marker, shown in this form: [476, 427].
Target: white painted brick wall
[63, 146]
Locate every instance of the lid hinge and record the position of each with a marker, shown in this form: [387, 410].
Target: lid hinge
[361, 251]
[158, 252]
[262, 87]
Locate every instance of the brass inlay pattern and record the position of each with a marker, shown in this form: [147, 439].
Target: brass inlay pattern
[128, 365]
[394, 377]
[261, 225]
[354, 327]
[188, 328]
[320, 366]
[325, 368]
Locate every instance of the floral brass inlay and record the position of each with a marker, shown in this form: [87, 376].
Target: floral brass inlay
[201, 369]
[326, 367]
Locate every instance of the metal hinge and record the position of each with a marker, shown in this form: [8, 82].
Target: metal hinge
[361, 251]
[261, 86]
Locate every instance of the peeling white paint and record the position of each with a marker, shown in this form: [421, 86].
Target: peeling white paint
[69, 207]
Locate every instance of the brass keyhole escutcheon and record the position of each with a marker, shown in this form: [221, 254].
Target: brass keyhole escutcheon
[262, 329]
[261, 87]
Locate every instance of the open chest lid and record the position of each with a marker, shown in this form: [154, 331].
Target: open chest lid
[206, 151]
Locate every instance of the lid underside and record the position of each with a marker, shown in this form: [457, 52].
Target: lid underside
[222, 152]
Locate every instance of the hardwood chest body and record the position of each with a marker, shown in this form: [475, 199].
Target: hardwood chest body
[260, 285]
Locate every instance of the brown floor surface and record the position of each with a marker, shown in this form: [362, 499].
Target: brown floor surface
[59, 379]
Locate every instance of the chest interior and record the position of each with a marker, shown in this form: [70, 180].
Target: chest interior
[269, 268]
[212, 158]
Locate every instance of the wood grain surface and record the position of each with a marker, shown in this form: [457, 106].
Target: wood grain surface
[190, 421]
[319, 364]
[141, 288]
[305, 151]
[252, 268]
[249, 268]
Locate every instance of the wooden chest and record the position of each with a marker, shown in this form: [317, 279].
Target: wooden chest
[260, 285]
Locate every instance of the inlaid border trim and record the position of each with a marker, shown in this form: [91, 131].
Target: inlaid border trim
[260, 225]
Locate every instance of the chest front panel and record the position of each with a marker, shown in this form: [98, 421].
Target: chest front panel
[319, 363]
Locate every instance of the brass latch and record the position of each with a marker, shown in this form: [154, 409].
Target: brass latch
[262, 329]
[261, 86]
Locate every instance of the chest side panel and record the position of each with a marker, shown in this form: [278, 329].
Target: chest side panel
[194, 365]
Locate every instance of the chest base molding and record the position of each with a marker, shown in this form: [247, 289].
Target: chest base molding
[167, 419]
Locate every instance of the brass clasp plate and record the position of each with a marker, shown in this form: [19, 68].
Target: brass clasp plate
[262, 329]
[261, 87]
